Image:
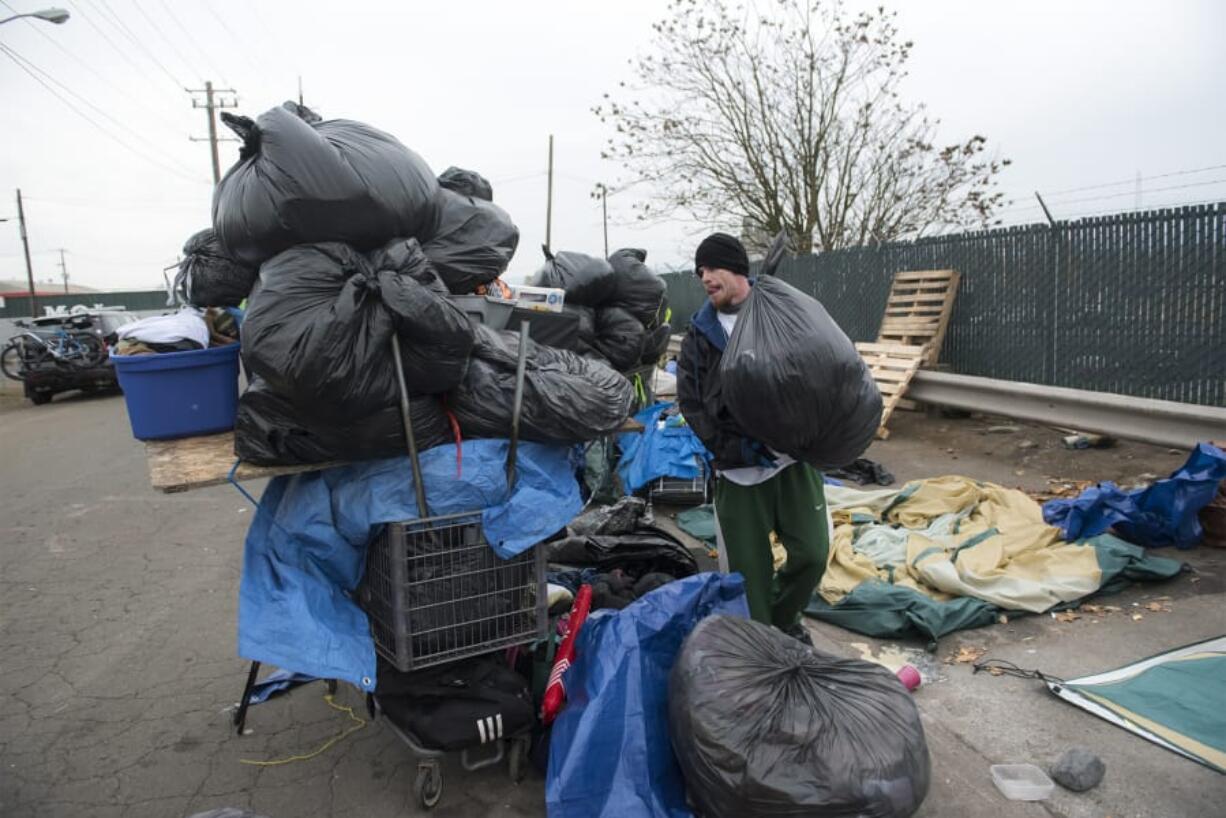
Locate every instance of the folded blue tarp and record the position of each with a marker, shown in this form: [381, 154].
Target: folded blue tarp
[610, 753]
[306, 547]
[1165, 513]
[674, 451]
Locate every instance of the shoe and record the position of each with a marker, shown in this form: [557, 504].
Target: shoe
[800, 633]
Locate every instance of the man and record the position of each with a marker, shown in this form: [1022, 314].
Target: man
[758, 491]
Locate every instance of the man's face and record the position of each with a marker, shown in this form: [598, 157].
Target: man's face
[724, 287]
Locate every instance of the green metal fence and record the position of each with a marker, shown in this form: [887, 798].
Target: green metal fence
[1133, 304]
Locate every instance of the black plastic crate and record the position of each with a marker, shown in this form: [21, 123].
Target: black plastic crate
[435, 592]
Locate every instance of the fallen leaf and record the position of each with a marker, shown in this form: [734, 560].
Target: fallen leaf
[1067, 616]
[1112, 608]
[965, 655]
[1157, 607]
[1194, 579]
[1137, 617]
[995, 671]
[1093, 609]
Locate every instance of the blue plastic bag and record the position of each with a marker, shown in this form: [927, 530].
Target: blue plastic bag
[1165, 513]
[610, 754]
[673, 451]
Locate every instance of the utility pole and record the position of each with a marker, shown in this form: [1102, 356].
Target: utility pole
[212, 105]
[1138, 190]
[549, 198]
[25, 243]
[64, 270]
[300, 102]
[604, 211]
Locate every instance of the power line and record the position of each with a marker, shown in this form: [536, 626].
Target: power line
[207, 61]
[158, 30]
[114, 19]
[118, 50]
[21, 63]
[95, 72]
[1134, 180]
[1151, 190]
[249, 54]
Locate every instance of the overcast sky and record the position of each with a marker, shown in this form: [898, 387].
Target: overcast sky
[1077, 93]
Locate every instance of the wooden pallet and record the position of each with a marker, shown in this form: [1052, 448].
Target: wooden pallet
[917, 312]
[893, 366]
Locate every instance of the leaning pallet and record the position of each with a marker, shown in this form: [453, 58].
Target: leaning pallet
[917, 312]
[892, 366]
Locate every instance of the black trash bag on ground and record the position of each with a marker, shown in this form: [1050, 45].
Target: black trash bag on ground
[567, 398]
[655, 344]
[621, 517]
[466, 183]
[639, 291]
[793, 380]
[320, 321]
[764, 725]
[302, 180]
[471, 241]
[645, 550]
[588, 281]
[271, 431]
[208, 277]
[619, 337]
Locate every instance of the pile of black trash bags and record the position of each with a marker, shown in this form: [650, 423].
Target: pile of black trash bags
[620, 305]
[341, 239]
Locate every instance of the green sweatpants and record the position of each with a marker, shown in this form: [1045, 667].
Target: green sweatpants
[793, 505]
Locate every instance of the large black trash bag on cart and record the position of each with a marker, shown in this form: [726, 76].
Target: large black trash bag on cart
[300, 179]
[210, 278]
[271, 431]
[764, 725]
[619, 337]
[639, 291]
[471, 241]
[567, 398]
[466, 183]
[792, 377]
[320, 321]
[587, 280]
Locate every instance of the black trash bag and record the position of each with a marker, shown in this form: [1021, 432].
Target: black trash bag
[588, 281]
[655, 344]
[269, 430]
[639, 291]
[302, 180]
[567, 398]
[320, 321]
[645, 550]
[621, 517]
[585, 343]
[764, 725]
[404, 256]
[471, 241]
[793, 380]
[466, 183]
[208, 277]
[619, 337]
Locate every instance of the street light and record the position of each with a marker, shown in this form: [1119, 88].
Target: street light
[52, 15]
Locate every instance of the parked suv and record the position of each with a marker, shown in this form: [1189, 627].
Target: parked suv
[58, 353]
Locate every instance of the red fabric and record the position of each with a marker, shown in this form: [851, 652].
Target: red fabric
[555, 691]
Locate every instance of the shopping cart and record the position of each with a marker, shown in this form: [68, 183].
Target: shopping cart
[436, 592]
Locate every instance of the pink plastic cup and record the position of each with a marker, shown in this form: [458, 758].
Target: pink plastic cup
[909, 676]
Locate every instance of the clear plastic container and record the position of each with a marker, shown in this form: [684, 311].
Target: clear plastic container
[1022, 782]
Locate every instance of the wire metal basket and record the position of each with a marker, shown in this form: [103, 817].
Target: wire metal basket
[682, 491]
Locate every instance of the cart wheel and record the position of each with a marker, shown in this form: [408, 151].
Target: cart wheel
[429, 784]
[518, 759]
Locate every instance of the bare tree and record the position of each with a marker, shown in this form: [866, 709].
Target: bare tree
[787, 116]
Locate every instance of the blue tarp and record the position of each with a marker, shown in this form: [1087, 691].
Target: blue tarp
[1165, 513]
[306, 546]
[610, 754]
[674, 451]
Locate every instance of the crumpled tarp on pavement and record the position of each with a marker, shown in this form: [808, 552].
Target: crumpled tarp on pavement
[306, 547]
[949, 553]
[1165, 513]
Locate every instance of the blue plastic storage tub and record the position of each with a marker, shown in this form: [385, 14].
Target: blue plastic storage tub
[180, 394]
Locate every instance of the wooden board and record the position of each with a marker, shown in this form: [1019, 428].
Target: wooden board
[199, 462]
[918, 309]
[893, 366]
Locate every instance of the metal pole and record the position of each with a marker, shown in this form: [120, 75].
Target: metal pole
[25, 243]
[64, 271]
[517, 405]
[208, 94]
[1046, 212]
[549, 199]
[604, 209]
[419, 488]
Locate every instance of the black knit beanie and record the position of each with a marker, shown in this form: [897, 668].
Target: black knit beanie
[724, 252]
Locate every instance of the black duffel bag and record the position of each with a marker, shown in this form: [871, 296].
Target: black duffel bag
[457, 706]
[767, 726]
